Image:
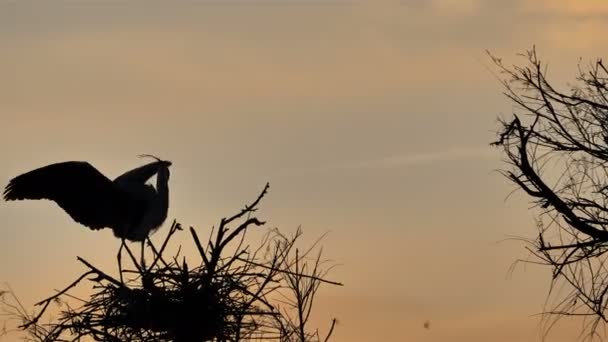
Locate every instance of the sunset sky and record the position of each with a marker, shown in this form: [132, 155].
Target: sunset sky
[370, 119]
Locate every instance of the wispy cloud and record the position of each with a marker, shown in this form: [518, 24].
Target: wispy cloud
[413, 159]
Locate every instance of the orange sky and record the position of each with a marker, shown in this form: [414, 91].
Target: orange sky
[370, 120]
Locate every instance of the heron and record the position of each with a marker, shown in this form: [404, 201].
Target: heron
[128, 205]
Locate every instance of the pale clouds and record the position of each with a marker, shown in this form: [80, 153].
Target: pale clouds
[456, 7]
[568, 8]
[414, 159]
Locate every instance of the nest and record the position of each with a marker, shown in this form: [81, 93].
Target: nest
[171, 304]
[226, 297]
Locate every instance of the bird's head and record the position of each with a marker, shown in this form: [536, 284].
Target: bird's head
[163, 165]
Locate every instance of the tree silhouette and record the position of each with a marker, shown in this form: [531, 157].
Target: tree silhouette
[557, 146]
[233, 293]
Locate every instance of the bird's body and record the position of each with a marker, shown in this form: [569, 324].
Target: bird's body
[127, 205]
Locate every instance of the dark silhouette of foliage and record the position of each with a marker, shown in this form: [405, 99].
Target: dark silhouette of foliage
[557, 146]
[234, 293]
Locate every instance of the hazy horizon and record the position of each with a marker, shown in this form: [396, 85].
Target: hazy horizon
[370, 120]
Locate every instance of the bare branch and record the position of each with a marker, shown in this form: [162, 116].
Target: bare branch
[557, 147]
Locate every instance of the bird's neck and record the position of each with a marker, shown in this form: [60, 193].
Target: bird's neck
[162, 187]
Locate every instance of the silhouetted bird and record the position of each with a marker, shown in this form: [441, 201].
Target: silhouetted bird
[127, 205]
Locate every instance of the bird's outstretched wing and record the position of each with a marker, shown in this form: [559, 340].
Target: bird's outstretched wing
[88, 196]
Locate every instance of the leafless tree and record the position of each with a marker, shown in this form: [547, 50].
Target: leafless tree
[556, 144]
[232, 294]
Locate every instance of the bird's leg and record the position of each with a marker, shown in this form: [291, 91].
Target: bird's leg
[143, 261]
[119, 256]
